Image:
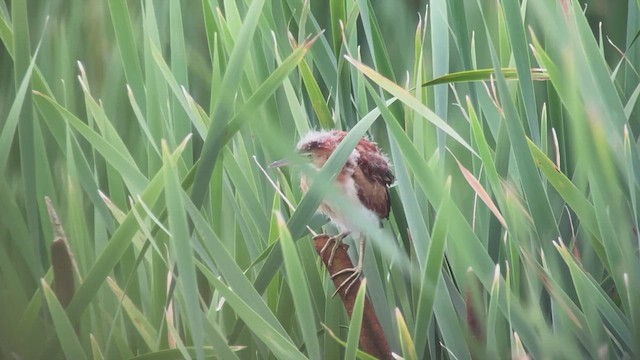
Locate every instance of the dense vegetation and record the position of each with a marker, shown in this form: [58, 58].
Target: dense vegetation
[139, 219]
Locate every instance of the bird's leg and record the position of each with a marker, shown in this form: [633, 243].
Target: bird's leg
[336, 240]
[355, 271]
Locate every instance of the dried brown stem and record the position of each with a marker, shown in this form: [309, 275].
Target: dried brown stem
[63, 285]
[476, 316]
[61, 260]
[372, 339]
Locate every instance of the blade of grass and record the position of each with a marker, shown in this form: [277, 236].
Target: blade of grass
[222, 110]
[300, 291]
[483, 75]
[181, 248]
[592, 297]
[128, 50]
[315, 95]
[230, 270]
[356, 322]
[138, 318]
[266, 90]
[431, 275]
[440, 54]
[408, 347]
[360, 354]
[281, 346]
[66, 334]
[520, 51]
[179, 68]
[115, 249]
[26, 132]
[410, 101]
[124, 164]
[537, 199]
[11, 123]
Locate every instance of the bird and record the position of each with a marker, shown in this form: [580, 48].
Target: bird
[364, 180]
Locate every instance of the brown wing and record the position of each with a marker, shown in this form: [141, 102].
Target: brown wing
[373, 176]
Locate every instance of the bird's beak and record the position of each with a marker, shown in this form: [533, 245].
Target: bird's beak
[279, 163]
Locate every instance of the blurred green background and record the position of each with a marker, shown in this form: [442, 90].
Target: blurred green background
[512, 126]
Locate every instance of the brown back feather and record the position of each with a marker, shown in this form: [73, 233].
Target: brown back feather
[373, 177]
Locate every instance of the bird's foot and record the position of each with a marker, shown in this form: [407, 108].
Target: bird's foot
[351, 280]
[336, 240]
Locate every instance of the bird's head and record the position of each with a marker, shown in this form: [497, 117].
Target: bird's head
[316, 146]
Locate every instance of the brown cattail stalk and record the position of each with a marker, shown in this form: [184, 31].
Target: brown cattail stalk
[372, 339]
[61, 260]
